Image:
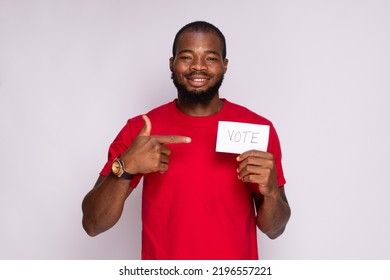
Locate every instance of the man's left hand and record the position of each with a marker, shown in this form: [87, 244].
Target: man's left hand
[258, 167]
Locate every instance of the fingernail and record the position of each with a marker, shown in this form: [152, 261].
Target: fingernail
[188, 140]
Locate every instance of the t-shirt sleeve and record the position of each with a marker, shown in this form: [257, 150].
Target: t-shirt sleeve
[120, 144]
[275, 149]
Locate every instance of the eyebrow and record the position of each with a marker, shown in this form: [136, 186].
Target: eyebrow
[208, 52]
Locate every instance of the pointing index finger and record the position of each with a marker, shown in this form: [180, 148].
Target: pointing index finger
[171, 139]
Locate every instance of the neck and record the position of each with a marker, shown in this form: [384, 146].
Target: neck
[200, 110]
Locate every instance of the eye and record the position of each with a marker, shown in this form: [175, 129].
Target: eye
[212, 59]
[185, 57]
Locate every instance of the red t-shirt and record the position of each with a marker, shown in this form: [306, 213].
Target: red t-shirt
[198, 209]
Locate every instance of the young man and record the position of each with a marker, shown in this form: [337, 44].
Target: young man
[196, 203]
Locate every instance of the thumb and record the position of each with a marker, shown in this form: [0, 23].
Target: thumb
[145, 131]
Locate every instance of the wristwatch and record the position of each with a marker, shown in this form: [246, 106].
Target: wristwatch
[118, 169]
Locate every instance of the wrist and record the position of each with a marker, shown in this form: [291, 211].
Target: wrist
[119, 169]
[272, 194]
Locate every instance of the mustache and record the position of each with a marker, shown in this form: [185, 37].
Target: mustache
[200, 73]
[192, 73]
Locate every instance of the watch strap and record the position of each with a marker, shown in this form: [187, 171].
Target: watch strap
[127, 175]
[124, 175]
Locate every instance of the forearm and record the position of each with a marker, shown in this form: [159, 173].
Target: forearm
[103, 205]
[273, 215]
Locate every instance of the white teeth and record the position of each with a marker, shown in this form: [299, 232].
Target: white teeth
[199, 80]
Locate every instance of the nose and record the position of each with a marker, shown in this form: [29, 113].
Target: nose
[198, 64]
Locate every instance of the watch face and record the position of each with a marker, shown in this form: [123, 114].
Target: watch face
[116, 167]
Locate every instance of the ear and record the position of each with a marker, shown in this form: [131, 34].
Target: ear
[171, 64]
[225, 64]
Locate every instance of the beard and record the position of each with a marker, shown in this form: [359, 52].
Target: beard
[196, 96]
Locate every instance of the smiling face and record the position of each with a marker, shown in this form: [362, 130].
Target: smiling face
[198, 66]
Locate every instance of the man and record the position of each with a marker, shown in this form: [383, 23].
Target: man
[196, 203]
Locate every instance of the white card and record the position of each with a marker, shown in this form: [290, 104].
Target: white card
[236, 138]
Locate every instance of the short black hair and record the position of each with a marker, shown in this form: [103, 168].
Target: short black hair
[200, 26]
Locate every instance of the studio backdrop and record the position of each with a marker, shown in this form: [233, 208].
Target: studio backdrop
[73, 72]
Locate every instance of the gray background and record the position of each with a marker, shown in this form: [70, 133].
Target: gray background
[72, 73]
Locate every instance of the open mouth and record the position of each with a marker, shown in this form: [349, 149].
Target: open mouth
[197, 81]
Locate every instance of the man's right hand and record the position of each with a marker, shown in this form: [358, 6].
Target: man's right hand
[147, 153]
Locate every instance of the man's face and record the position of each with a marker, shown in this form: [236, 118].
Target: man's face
[198, 67]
